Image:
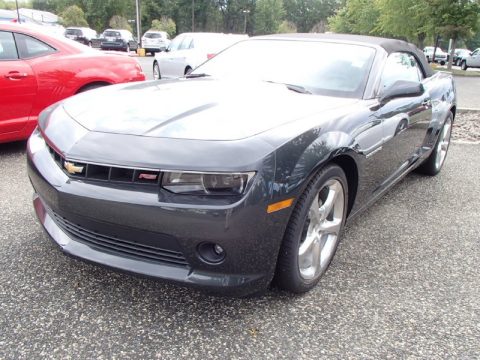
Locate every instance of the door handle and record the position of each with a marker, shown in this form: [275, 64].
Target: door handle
[427, 102]
[15, 75]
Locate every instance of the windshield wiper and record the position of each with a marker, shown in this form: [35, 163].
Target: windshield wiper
[297, 88]
[193, 76]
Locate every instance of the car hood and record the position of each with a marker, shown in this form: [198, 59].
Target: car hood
[200, 109]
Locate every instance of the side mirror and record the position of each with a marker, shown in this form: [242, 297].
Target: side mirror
[402, 88]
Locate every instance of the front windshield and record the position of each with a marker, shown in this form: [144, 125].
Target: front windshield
[321, 68]
[111, 33]
[73, 32]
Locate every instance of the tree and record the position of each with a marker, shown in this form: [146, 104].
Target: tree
[5, 5]
[164, 24]
[119, 22]
[356, 17]
[408, 19]
[287, 27]
[306, 14]
[73, 16]
[268, 16]
[455, 19]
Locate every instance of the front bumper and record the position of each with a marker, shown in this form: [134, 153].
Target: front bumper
[72, 210]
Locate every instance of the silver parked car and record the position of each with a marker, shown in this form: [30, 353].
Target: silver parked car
[473, 60]
[440, 55]
[189, 50]
[155, 41]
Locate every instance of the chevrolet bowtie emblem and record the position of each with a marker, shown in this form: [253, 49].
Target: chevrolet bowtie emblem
[72, 168]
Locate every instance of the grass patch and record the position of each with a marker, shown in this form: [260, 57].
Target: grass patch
[456, 72]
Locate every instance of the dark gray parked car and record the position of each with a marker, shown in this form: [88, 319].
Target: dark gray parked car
[244, 171]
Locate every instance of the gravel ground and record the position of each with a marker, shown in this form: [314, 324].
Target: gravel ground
[404, 284]
[466, 128]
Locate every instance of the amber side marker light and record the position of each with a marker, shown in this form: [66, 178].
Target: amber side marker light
[279, 205]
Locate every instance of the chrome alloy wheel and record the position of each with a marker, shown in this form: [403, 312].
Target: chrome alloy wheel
[322, 230]
[443, 143]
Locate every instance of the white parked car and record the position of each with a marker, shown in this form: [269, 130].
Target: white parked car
[155, 41]
[473, 60]
[189, 50]
[440, 55]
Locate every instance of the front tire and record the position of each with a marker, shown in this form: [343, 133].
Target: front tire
[313, 232]
[434, 163]
[464, 65]
[156, 71]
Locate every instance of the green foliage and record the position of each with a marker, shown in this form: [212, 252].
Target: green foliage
[407, 19]
[357, 17]
[73, 16]
[7, 5]
[287, 27]
[119, 22]
[268, 16]
[164, 24]
[455, 18]
[306, 14]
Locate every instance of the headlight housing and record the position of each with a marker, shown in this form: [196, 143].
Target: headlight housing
[195, 183]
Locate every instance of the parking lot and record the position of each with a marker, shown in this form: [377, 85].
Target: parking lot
[404, 284]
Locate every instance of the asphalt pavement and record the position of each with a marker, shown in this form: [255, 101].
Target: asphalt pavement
[404, 284]
[467, 87]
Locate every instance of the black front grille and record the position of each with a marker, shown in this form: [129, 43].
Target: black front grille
[82, 170]
[121, 247]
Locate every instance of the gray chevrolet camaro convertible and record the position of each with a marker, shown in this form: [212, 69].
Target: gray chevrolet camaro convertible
[245, 171]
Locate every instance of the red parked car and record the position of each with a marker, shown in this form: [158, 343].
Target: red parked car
[38, 69]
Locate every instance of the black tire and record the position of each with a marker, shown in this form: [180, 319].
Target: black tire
[288, 274]
[90, 87]
[442, 62]
[432, 165]
[428, 59]
[127, 49]
[464, 65]
[188, 70]
[156, 71]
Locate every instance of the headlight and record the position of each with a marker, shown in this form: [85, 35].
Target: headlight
[206, 183]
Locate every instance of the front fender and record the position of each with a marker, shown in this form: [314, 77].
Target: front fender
[301, 158]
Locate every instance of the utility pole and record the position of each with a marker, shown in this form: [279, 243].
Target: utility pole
[18, 12]
[245, 13]
[139, 24]
[193, 15]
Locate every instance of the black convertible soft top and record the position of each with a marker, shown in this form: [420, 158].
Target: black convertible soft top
[389, 45]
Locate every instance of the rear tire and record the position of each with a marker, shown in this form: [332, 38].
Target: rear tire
[434, 163]
[156, 71]
[313, 232]
[188, 70]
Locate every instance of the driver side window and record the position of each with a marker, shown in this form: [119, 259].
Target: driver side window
[400, 66]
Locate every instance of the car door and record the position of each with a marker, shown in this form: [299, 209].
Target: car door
[405, 119]
[475, 59]
[165, 60]
[18, 86]
[176, 59]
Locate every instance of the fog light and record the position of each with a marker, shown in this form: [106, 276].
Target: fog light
[218, 249]
[211, 253]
